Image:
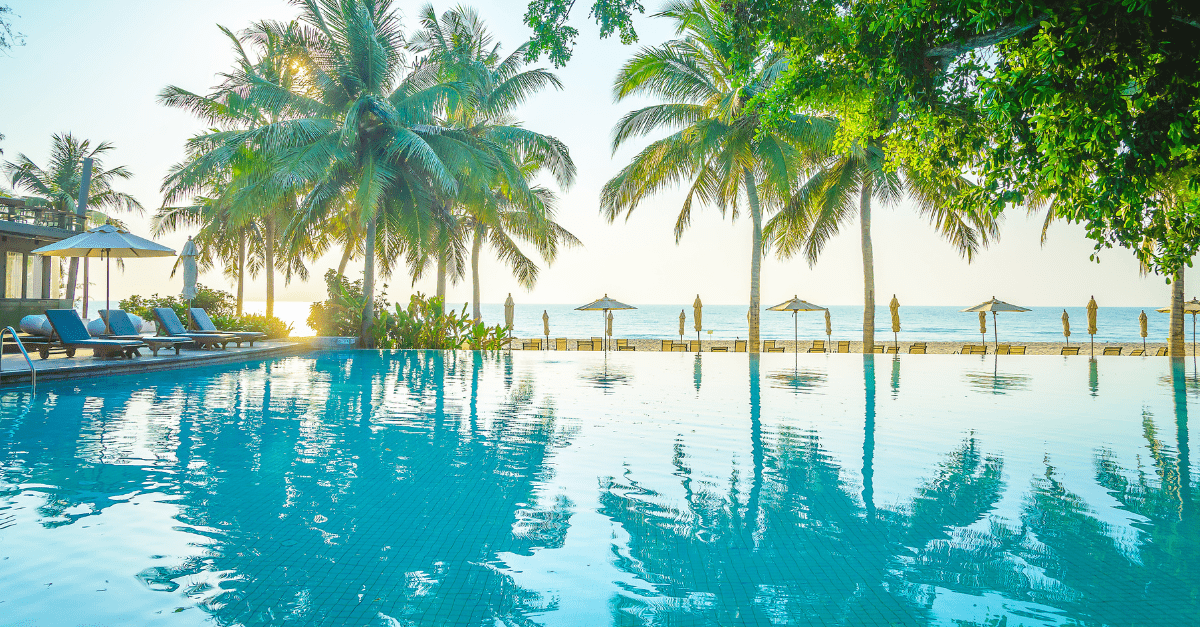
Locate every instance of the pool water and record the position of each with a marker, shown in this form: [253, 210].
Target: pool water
[427, 488]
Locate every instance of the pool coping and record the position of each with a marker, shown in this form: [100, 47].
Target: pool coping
[16, 371]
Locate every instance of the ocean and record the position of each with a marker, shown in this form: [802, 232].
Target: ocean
[727, 322]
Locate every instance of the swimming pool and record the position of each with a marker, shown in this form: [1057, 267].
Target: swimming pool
[428, 488]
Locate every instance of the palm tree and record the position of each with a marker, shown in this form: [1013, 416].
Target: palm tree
[57, 185]
[499, 205]
[716, 147]
[842, 189]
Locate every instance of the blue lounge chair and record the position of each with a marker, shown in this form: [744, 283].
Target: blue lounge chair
[73, 335]
[121, 328]
[201, 323]
[169, 323]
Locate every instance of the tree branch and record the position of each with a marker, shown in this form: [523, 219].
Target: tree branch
[982, 40]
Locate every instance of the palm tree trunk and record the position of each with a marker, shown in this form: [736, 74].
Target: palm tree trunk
[868, 255]
[475, 248]
[755, 258]
[345, 258]
[368, 316]
[269, 263]
[1177, 336]
[441, 276]
[241, 281]
[72, 278]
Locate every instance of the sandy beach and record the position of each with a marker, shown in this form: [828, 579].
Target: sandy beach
[932, 348]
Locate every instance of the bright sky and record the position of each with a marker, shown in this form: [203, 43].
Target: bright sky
[93, 68]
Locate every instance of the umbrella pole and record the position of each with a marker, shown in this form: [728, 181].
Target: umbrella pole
[108, 291]
[796, 333]
[86, 281]
[995, 331]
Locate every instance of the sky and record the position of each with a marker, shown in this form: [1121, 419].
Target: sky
[94, 68]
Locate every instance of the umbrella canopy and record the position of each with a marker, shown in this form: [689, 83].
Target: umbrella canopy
[682, 321]
[796, 305]
[508, 311]
[1066, 325]
[895, 307]
[546, 323]
[604, 304]
[994, 306]
[105, 241]
[1091, 314]
[696, 307]
[187, 257]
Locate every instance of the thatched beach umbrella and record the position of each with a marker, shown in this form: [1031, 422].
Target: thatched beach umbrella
[828, 330]
[187, 258]
[508, 311]
[796, 305]
[1143, 322]
[105, 241]
[983, 327]
[994, 306]
[546, 327]
[608, 328]
[696, 314]
[1066, 327]
[895, 307]
[604, 305]
[1091, 315]
[682, 322]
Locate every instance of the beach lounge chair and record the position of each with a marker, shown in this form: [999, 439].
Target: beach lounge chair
[817, 347]
[775, 349]
[878, 348]
[768, 345]
[739, 346]
[534, 344]
[893, 349]
[979, 349]
[1016, 350]
[1112, 350]
[560, 343]
[693, 346]
[666, 345]
[203, 324]
[1070, 350]
[966, 349]
[843, 346]
[1002, 349]
[583, 345]
[626, 347]
[1138, 352]
[719, 349]
[122, 329]
[169, 324]
[1161, 352]
[622, 343]
[918, 348]
[73, 335]
[678, 347]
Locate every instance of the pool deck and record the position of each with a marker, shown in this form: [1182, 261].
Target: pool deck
[15, 372]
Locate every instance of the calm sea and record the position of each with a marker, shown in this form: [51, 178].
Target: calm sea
[930, 324]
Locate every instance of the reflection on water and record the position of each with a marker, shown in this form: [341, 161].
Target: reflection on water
[432, 488]
[997, 382]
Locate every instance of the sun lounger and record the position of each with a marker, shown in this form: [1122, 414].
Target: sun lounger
[1016, 350]
[121, 328]
[666, 345]
[878, 348]
[532, 345]
[201, 323]
[775, 349]
[169, 324]
[843, 346]
[626, 347]
[1112, 350]
[768, 345]
[719, 349]
[739, 346]
[818, 346]
[1070, 350]
[583, 345]
[678, 348]
[560, 343]
[1138, 352]
[73, 335]
[1002, 349]
[693, 346]
[1161, 352]
[622, 343]
[917, 348]
[893, 349]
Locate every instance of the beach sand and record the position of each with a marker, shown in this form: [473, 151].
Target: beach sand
[934, 348]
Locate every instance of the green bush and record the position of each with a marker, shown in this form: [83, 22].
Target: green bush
[341, 313]
[426, 324]
[220, 305]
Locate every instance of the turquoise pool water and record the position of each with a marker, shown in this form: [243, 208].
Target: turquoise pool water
[415, 488]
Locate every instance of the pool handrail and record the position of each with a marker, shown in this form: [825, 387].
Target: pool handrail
[32, 370]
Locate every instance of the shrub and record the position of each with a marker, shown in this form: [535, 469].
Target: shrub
[426, 324]
[272, 327]
[341, 313]
[220, 306]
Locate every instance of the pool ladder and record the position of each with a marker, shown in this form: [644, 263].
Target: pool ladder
[32, 371]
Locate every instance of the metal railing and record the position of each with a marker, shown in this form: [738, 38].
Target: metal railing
[32, 371]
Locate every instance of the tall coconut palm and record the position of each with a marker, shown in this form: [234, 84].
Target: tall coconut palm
[57, 185]
[842, 189]
[705, 80]
[498, 204]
